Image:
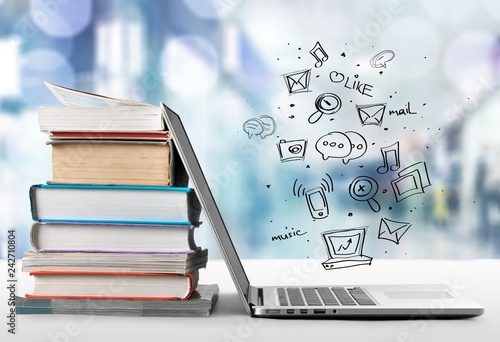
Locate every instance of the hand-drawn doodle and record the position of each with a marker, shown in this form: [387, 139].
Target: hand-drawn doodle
[349, 145]
[412, 181]
[336, 77]
[319, 53]
[358, 146]
[263, 126]
[334, 145]
[353, 84]
[291, 150]
[345, 248]
[386, 151]
[297, 81]
[392, 230]
[364, 189]
[402, 111]
[317, 203]
[326, 103]
[380, 59]
[316, 197]
[371, 114]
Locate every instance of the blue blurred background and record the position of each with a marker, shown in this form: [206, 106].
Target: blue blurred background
[220, 63]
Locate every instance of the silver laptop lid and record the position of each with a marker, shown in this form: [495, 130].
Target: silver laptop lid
[207, 201]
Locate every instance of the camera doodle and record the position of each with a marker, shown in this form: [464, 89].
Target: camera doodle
[263, 126]
[316, 197]
[290, 150]
[349, 145]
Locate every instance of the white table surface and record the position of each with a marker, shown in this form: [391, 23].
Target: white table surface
[478, 279]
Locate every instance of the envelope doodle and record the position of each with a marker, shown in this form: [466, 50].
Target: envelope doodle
[392, 230]
[297, 81]
[371, 114]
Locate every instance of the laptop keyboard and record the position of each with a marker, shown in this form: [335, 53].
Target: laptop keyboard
[321, 296]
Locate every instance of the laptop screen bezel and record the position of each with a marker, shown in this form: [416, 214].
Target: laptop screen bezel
[207, 200]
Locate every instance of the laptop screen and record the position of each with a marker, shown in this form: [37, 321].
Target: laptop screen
[207, 201]
[344, 243]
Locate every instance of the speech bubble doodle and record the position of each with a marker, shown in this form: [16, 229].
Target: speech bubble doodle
[380, 59]
[336, 77]
[334, 145]
[263, 126]
[253, 127]
[358, 146]
[268, 125]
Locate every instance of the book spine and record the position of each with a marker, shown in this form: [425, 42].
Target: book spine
[33, 204]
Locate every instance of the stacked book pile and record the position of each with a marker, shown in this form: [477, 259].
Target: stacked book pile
[117, 220]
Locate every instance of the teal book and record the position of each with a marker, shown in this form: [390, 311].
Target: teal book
[114, 204]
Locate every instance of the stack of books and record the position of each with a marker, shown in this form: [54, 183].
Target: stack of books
[117, 220]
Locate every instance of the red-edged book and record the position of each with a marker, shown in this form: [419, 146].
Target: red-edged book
[160, 135]
[113, 285]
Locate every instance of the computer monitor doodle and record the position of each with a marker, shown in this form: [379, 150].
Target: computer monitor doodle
[345, 248]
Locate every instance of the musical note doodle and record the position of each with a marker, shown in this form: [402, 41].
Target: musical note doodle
[386, 152]
[319, 53]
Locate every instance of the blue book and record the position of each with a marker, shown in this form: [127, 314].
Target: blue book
[114, 204]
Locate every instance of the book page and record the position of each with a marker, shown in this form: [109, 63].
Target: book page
[76, 98]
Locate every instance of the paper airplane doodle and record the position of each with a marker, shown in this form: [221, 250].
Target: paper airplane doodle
[263, 126]
[380, 59]
[392, 230]
[297, 81]
[345, 248]
[371, 114]
[291, 150]
[412, 181]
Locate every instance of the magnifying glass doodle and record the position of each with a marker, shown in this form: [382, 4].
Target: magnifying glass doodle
[326, 103]
[364, 188]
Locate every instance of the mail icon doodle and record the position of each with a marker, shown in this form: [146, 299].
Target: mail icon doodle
[297, 81]
[371, 114]
[392, 230]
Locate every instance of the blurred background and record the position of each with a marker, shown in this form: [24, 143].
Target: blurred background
[228, 67]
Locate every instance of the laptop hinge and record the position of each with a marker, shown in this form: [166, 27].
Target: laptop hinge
[255, 296]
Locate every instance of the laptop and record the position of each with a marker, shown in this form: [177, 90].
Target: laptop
[321, 301]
